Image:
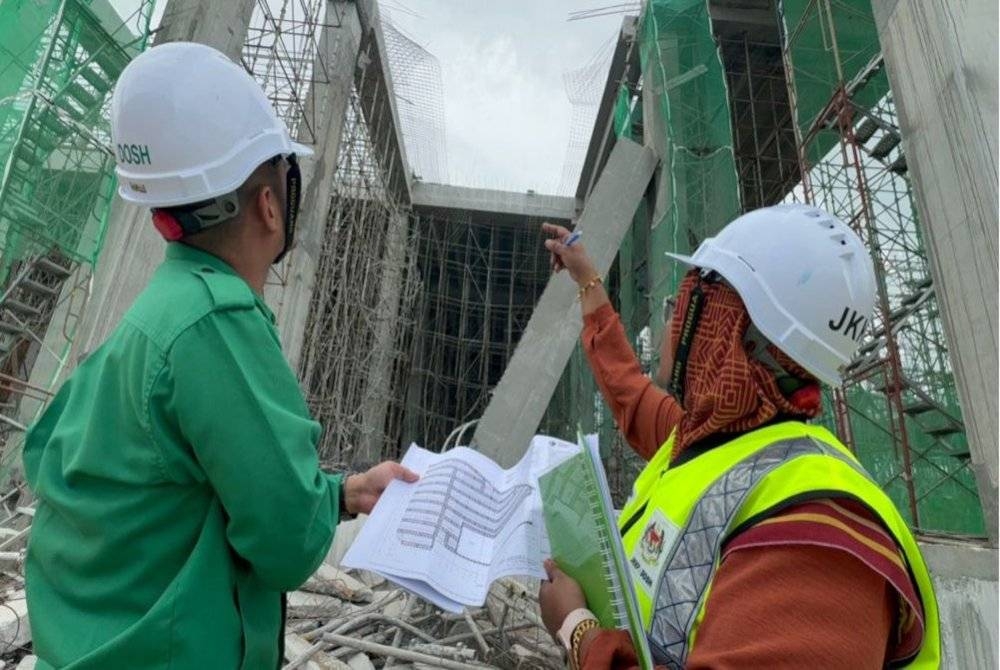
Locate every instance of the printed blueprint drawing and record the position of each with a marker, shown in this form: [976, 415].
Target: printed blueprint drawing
[464, 524]
[455, 497]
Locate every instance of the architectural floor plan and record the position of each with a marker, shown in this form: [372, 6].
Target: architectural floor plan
[465, 523]
[454, 501]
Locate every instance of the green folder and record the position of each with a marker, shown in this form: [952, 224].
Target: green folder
[580, 521]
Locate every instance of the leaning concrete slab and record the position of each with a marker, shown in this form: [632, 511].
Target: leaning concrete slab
[524, 391]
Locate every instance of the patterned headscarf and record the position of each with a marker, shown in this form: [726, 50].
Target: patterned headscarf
[727, 389]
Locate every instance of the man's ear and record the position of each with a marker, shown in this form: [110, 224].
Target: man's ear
[269, 208]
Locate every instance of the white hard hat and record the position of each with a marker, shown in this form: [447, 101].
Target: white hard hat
[805, 277]
[188, 124]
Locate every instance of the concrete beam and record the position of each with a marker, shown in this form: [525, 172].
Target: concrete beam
[523, 394]
[946, 96]
[763, 15]
[442, 196]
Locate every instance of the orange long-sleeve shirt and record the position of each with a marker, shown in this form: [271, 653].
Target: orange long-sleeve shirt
[790, 592]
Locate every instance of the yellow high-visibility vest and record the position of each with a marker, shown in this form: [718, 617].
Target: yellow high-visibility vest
[678, 517]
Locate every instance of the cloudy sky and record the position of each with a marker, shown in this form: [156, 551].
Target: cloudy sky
[507, 117]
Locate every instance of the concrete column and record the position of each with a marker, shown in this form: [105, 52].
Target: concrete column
[338, 46]
[965, 585]
[222, 25]
[941, 59]
[376, 402]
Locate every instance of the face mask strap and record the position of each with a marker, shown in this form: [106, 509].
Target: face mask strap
[293, 194]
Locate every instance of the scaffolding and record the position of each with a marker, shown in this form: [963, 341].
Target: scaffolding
[898, 407]
[482, 274]
[763, 137]
[793, 105]
[350, 323]
[282, 52]
[58, 63]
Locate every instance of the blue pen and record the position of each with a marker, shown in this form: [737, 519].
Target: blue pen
[574, 237]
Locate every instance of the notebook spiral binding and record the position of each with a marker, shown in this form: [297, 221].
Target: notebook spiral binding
[608, 552]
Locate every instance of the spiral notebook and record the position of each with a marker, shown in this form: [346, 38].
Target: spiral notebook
[580, 520]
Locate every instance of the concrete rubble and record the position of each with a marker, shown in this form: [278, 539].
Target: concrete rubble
[355, 620]
[14, 629]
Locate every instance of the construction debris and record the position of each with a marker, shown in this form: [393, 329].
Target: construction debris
[335, 582]
[14, 629]
[357, 620]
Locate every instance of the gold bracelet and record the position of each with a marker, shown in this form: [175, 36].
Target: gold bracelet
[577, 637]
[589, 285]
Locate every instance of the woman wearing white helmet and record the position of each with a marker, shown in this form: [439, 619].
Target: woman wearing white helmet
[755, 538]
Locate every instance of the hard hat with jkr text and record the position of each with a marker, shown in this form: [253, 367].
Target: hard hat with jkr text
[805, 277]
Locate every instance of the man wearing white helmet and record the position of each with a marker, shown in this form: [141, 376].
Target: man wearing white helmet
[756, 539]
[179, 490]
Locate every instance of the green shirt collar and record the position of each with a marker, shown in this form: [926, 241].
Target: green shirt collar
[178, 251]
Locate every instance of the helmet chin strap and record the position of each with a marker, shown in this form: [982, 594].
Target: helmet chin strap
[293, 194]
[757, 345]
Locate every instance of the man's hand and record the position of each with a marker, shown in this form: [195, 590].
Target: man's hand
[362, 491]
[574, 259]
[558, 596]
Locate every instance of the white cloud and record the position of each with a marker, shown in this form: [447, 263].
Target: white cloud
[506, 114]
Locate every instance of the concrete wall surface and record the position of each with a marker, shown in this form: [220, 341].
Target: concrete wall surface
[941, 57]
[965, 583]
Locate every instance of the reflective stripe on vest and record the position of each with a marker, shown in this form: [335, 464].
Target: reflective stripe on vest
[691, 563]
[692, 508]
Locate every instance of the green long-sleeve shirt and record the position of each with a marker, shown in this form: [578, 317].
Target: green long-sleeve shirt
[179, 491]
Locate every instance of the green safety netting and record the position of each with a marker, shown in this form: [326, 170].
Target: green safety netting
[684, 112]
[945, 491]
[59, 60]
[812, 29]
[623, 123]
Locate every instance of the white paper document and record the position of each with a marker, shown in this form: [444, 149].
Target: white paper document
[464, 524]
